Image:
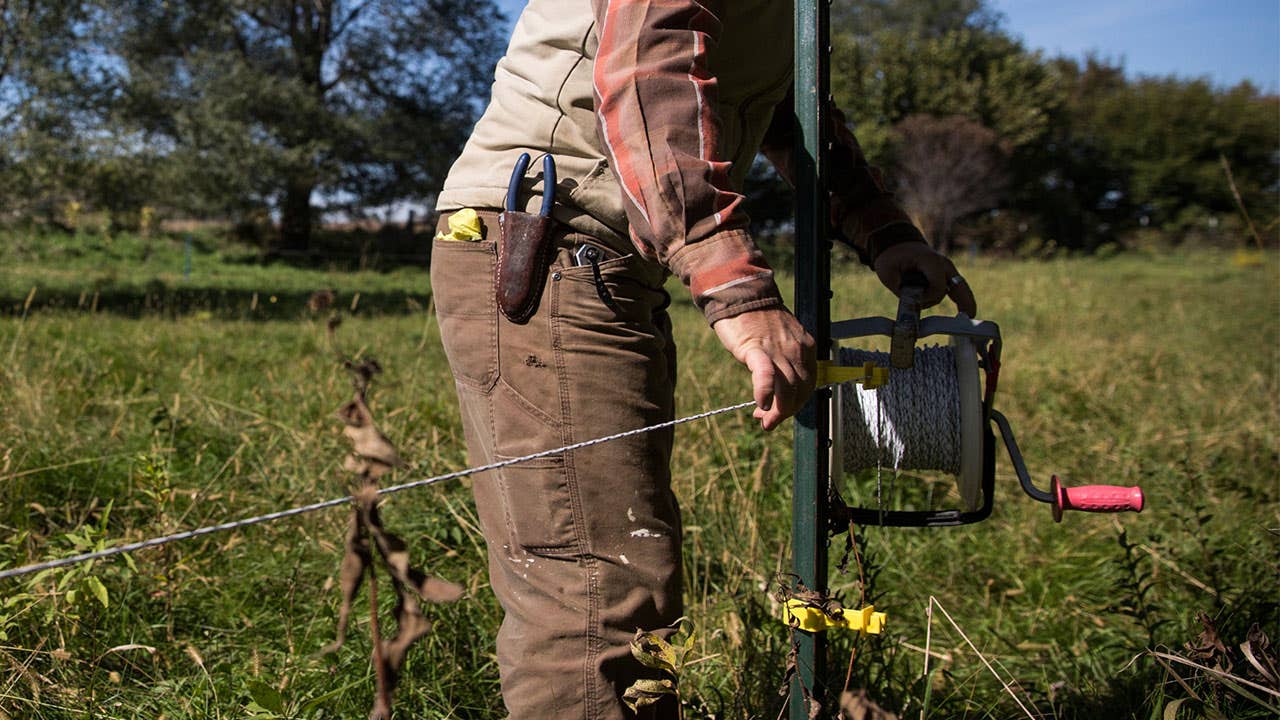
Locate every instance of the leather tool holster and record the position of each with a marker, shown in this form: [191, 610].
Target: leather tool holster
[524, 254]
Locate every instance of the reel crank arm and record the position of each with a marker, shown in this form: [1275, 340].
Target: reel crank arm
[1085, 498]
[906, 327]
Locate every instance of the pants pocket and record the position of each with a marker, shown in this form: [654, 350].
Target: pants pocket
[635, 288]
[462, 288]
[539, 505]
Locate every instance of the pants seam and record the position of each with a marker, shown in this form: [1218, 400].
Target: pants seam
[566, 425]
[490, 401]
[592, 635]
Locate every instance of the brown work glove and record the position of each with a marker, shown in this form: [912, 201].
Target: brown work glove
[944, 280]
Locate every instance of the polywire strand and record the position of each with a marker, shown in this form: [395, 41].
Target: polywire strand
[912, 423]
[280, 514]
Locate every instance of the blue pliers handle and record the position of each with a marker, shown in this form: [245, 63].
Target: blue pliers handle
[548, 183]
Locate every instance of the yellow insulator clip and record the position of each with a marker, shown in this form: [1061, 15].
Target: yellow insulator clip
[804, 616]
[870, 375]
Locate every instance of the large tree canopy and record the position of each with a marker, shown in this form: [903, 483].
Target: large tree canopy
[43, 146]
[301, 104]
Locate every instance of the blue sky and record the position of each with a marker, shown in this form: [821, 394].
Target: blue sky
[1224, 40]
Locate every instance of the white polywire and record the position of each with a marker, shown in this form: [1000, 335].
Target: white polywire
[911, 423]
[189, 534]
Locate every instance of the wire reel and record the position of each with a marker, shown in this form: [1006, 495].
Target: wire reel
[879, 423]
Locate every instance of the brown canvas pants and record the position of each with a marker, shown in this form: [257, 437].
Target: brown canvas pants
[584, 546]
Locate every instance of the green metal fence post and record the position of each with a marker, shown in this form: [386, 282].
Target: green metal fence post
[812, 306]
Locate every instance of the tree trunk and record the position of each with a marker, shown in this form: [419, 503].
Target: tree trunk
[931, 227]
[295, 216]
[943, 242]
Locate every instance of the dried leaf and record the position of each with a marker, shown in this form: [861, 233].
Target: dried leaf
[321, 300]
[1171, 710]
[1257, 650]
[811, 598]
[362, 374]
[654, 652]
[395, 554]
[645, 692]
[436, 590]
[790, 670]
[351, 573]
[411, 626]
[1207, 644]
[367, 441]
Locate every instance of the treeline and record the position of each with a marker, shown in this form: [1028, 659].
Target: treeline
[280, 113]
[992, 145]
[238, 110]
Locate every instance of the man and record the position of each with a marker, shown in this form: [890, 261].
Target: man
[653, 111]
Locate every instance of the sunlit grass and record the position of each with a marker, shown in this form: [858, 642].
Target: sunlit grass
[1153, 370]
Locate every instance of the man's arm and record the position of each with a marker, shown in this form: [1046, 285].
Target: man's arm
[867, 214]
[655, 108]
[655, 100]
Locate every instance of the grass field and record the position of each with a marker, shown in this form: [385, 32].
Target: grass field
[173, 402]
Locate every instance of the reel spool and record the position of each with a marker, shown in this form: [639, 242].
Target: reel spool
[934, 413]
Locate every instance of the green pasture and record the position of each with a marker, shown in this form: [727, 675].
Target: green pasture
[178, 400]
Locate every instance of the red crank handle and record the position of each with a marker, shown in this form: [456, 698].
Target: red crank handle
[1089, 498]
[1094, 498]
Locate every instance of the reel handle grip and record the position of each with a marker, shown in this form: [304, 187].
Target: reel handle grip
[911, 287]
[906, 327]
[1095, 498]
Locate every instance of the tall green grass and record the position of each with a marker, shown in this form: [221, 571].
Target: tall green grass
[127, 422]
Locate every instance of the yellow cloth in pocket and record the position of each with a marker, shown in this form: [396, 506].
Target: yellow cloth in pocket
[464, 226]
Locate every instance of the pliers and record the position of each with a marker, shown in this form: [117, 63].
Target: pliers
[525, 244]
[548, 184]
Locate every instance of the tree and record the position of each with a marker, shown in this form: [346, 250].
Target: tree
[41, 152]
[39, 48]
[939, 61]
[947, 168]
[1171, 133]
[294, 104]
[1124, 154]
[1069, 184]
[865, 19]
[980, 74]
[892, 59]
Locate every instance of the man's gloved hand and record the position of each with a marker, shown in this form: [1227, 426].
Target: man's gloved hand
[944, 279]
[780, 355]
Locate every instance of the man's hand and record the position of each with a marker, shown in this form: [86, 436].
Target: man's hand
[944, 279]
[780, 355]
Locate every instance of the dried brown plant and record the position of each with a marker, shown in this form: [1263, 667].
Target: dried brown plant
[374, 456]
